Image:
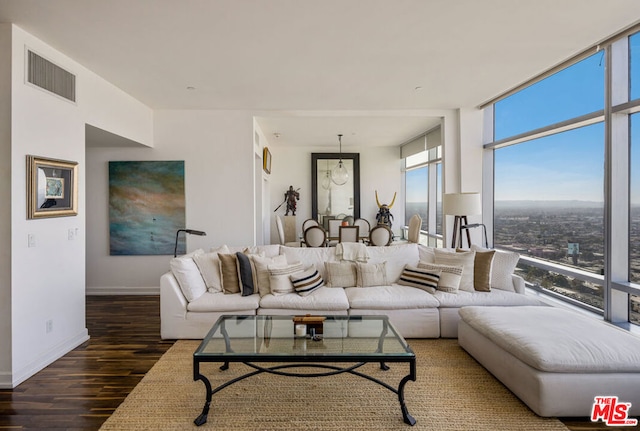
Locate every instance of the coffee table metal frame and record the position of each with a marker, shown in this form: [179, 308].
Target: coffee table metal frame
[300, 360]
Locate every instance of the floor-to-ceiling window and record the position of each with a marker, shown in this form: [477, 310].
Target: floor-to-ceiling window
[423, 188]
[556, 149]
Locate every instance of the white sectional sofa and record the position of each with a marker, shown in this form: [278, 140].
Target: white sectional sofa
[555, 360]
[192, 293]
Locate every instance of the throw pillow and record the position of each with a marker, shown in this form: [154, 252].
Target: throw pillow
[306, 282]
[482, 270]
[465, 260]
[189, 279]
[420, 278]
[245, 271]
[340, 274]
[504, 264]
[450, 276]
[371, 274]
[262, 270]
[279, 278]
[229, 272]
[209, 266]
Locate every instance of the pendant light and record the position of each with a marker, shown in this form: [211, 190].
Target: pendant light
[340, 175]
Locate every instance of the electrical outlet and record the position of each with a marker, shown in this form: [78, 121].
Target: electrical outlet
[32, 240]
[49, 326]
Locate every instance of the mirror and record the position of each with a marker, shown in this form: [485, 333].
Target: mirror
[331, 201]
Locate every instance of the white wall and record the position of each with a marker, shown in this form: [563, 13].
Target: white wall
[48, 280]
[218, 150]
[380, 169]
[5, 195]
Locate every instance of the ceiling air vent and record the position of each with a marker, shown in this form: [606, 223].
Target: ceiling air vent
[51, 77]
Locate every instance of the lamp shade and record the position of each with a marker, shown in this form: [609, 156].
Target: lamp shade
[459, 204]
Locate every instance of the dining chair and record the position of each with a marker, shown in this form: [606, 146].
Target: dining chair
[365, 227]
[334, 226]
[380, 235]
[281, 236]
[315, 236]
[415, 224]
[349, 234]
[349, 219]
[308, 223]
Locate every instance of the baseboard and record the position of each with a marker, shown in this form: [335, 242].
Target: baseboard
[122, 290]
[11, 380]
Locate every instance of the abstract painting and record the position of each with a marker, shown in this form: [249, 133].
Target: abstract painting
[146, 207]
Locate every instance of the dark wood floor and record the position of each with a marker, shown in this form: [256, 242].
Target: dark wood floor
[81, 390]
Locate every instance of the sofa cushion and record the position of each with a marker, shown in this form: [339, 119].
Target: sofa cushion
[315, 256]
[426, 254]
[261, 265]
[188, 275]
[557, 340]
[420, 278]
[224, 302]
[209, 266]
[371, 274]
[340, 274]
[390, 297]
[279, 277]
[396, 257]
[246, 272]
[464, 259]
[324, 298]
[495, 297]
[503, 265]
[450, 276]
[229, 272]
[482, 265]
[307, 281]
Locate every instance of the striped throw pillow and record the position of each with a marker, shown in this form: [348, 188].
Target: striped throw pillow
[306, 282]
[420, 278]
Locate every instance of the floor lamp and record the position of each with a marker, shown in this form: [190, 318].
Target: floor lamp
[461, 205]
[188, 231]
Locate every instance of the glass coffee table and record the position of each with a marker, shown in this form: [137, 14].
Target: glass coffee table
[338, 340]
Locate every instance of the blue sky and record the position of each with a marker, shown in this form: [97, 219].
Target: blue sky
[568, 165]
[565, 166]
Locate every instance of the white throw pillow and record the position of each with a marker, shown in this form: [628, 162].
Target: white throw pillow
[188, 275]
[450, 276]
[504, 264]
[279, 278]
[340, 274]
[262, 270]
[371, 274]
[464, 259]
[209, 266]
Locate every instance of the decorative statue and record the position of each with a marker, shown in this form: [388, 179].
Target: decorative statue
[290, 197]
[384, 215]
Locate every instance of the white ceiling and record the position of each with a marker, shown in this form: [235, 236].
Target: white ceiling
[322, 56]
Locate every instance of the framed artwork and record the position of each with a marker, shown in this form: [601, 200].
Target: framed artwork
[52, 187]
[146, 207]
[266, 160]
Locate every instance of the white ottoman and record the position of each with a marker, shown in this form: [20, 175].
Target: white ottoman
[555, 360]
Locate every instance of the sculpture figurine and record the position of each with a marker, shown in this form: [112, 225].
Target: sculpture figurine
[290, 197]
[384, 215]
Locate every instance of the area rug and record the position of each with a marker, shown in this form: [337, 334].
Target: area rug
[452, 392]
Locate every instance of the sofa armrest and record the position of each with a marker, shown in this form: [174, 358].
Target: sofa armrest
[173, 304]
[518, 283]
